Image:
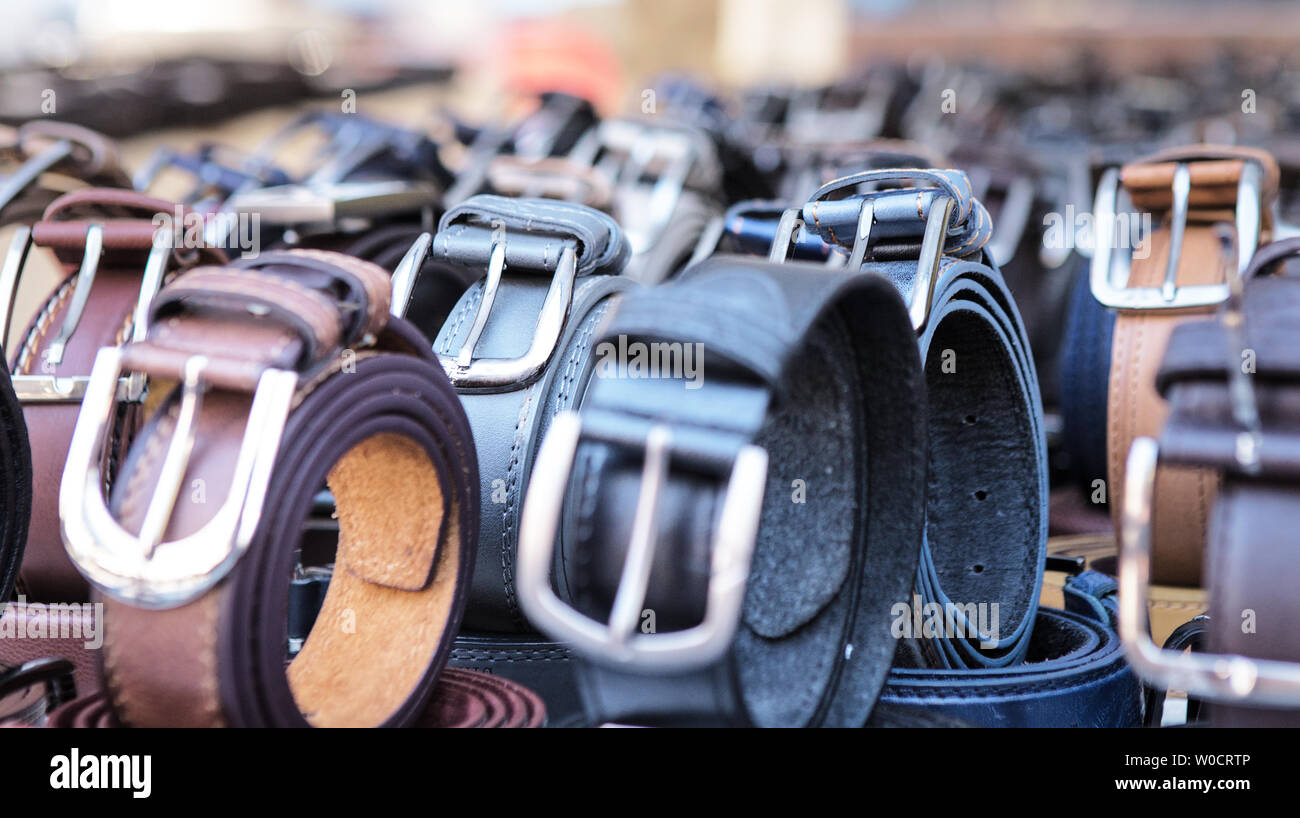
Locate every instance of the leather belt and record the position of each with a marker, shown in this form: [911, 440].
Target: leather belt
[986, 515]
[292, 375]
[15, 493]
[462, 699]
[728, 554]
[1231, 387]
[104, 239]
[518, 348]
[1074, 675]
[1196, 194]
[43, 146]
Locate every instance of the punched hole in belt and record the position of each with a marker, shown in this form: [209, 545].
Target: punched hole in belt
[981, 452]
[380, 620]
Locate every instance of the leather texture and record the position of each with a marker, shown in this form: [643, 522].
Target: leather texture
[509, 425]
[128, 222]
[380, 426]
[1250, 564]
[1183, 496]
[15, 491]
[819, 369]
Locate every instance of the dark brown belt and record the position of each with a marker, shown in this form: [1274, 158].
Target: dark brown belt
[104, 239]
[292, 376]
[1233, 388]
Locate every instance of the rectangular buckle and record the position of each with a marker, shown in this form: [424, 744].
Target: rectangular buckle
[488, 374]
[72, 389]
[1108, 276]
[1234, 679]
[921, 298]
[342, 204]
[616, 641]
[144, 570]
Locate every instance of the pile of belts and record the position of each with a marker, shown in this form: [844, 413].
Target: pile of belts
[751, 412]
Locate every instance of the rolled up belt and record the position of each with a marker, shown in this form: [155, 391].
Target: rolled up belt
[292, 375]
[1232, 387]
[725, 549]
[105, 240]
[1074, 675]
[1180, 271]
[986, 504]
[462, 698]
[519, 348]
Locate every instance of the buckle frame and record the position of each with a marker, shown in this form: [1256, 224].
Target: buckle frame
[1222, 678]
[72, 389]
[144, 570]
[615, 642]
[1108, 276]
[497, 374]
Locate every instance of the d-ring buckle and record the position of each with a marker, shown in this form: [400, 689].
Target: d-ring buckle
[1223, 678]
[144, 570]
[616, 641]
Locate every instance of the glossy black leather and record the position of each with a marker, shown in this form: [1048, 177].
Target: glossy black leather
[15, 486]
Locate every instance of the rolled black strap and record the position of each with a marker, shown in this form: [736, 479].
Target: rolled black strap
[817, 370]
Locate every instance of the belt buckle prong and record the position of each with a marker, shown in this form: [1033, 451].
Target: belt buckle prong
[616, 640]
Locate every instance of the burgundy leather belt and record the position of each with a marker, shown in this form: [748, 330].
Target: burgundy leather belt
[292, 376]
[104, 238]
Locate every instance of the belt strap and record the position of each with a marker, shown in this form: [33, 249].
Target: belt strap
[15, 488]
[292, 376]
[524, 298]
[1194, 194]
[681, 516]
[104, 239]
[1231, 384]
[986, 506]
[42, 146]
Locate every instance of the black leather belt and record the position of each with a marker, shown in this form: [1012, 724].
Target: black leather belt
[726, 549]
[15, 486]
[519, 348]
[1231, 386]
[986, 516]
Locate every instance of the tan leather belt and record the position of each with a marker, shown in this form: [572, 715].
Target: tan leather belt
[292, 376]
[1210, 207]
[104, 238]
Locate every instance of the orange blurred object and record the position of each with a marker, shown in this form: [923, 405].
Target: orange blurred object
[553, 55]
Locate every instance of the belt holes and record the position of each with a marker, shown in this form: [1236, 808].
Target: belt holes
[981, 494]
[977, 568]
[969, 420]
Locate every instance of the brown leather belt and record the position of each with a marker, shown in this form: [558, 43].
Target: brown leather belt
[1178, 272]
[42, 147]
[104, 239]
[292, 376]
[1231, 383]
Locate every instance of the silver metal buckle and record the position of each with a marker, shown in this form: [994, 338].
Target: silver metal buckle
[71, 389]
[467, 372]
[1109, 276]
[1204, 676]
[31, 170]
[405, 273]
[333, 203]
[616, 641]
[144, 570]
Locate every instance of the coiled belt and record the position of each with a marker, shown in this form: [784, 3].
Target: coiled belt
[291, 377]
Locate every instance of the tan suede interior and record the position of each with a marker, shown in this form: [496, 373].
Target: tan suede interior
[382, 618]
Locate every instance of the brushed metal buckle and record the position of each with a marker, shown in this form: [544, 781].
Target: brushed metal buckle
[143, 570]
[921, 299]
[28, 172]
[334, 203]
[616, 641]
[72, 389]
[1223, 678]
[488, 374]
[405, 272]
[1109, 276]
